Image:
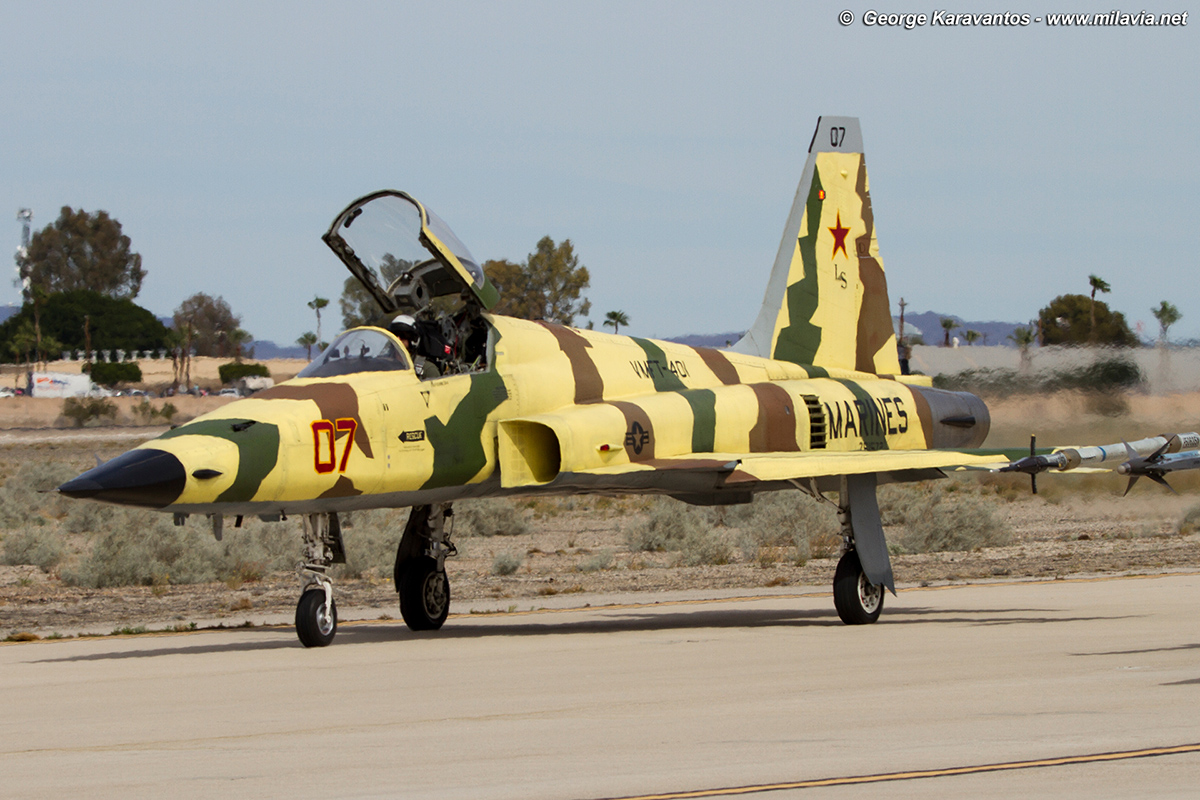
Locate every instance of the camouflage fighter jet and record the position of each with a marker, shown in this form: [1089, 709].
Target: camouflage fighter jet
[810, 399]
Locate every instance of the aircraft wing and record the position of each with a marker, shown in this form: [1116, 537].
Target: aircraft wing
[697, 475]
[756, 467]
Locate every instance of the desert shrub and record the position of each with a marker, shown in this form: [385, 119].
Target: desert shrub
[704, 546]
[1105, 377]
[145, 548]
[952, 521]
[41, 549]
[492, 517]
[370, 538]
[506, 563]
[598, 561]
[82, 410]
[665, 527]
[146, 552]
[110, 374]
[21, 500]
[989, 381]
[147, 414]
[235, 370]
[1190, 522]
[89, 517]
[786, 519]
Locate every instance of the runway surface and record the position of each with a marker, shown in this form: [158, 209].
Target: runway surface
[1076, 688]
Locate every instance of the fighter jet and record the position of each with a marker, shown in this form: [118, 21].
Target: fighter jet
[811, 399]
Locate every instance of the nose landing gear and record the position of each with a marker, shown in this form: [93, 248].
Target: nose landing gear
[316, 613]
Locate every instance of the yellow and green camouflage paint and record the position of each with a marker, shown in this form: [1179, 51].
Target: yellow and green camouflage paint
[812, 391]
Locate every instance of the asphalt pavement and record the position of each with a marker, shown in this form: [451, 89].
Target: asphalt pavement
[1063, 688]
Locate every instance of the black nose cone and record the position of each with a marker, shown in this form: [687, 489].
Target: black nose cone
[148, 478]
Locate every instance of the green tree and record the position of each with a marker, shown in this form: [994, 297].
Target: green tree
[972, 337]
[616, 319]
[1067, 320]
[548, 286]
[83, 251]
[316, 304]
[1167, 315]
[206, 323]
[948, 324]
[1098, 284]
[307, 340]
[82, 318]
[356, 303]
[110, 375]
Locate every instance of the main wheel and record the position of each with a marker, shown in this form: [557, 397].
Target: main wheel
[314, 627]
[424, 594]
[858, 601]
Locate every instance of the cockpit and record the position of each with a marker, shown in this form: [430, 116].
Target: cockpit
[358, 350]
[406, 257]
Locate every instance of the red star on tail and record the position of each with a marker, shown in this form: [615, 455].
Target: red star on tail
[839, 237]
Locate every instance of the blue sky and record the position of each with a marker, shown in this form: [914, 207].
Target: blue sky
[664, 139]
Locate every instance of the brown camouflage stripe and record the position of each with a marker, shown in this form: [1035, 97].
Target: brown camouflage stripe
[639, 437]
[343, 488]
[721, 366]
[334, 401]
[875, 316]
[775, 430]
[589, 386]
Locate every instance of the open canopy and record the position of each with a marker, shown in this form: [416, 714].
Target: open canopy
[405, 255]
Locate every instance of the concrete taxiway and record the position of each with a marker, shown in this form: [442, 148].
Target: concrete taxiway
[1068, 687]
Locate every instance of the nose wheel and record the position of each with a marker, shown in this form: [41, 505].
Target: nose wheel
[316, 618]
[316, 613]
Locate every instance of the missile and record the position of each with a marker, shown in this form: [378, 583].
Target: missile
[1149, 453]
[1157, 464]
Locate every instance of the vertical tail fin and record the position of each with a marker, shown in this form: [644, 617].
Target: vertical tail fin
[827, 301]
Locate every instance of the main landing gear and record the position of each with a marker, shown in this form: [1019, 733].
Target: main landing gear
[316, 613]
[420, 572]
[859, 601]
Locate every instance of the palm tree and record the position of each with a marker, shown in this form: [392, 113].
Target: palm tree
[616, 319]
[1098, 284]
[948, 324]
[971, 337]
[1167, 315]
[238, 339]
[307, 340]
[316, 304]
[1023, 338]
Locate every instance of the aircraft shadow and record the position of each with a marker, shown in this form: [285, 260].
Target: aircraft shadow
[613, 621]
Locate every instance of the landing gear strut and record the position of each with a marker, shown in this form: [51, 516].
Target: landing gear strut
[316, 613]
[420, 572]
